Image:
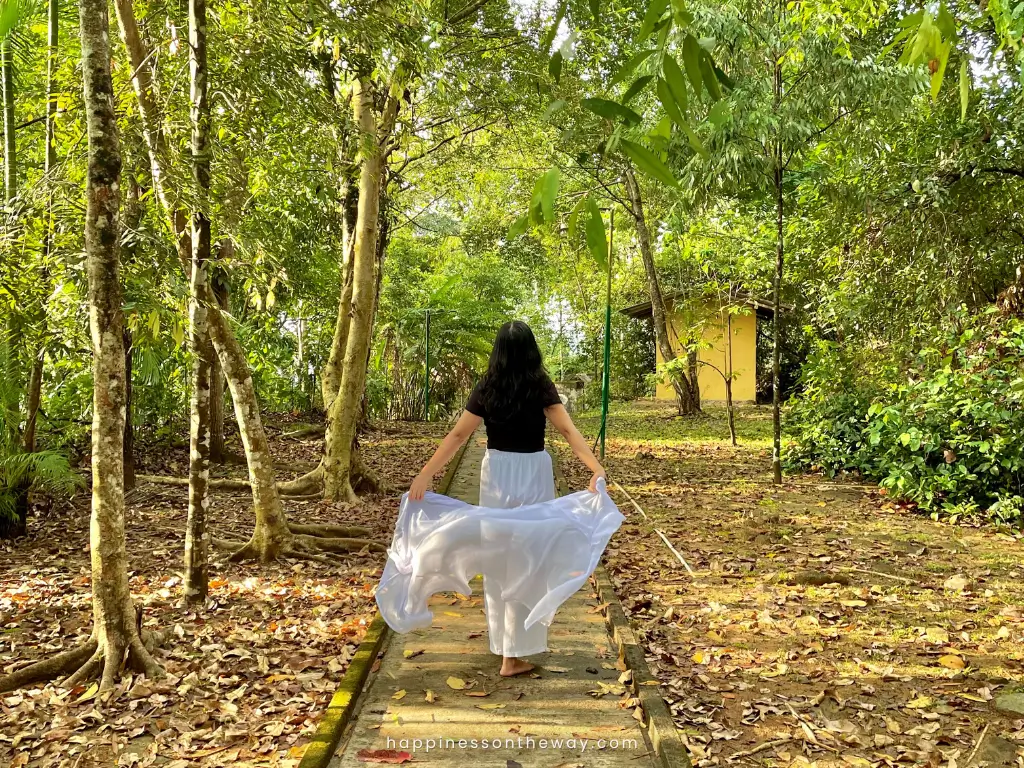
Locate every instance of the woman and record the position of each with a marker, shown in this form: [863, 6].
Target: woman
[513, 400]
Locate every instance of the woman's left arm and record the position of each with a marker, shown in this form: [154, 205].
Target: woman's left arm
[464, 427]
[561, 421]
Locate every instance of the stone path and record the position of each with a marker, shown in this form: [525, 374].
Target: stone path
[545, 721]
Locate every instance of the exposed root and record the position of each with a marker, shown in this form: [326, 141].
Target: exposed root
[330, 531]
[340, 545]
[61, 665]
[227, 545]
[313, 430]
[87, 661]
[309, 484]
[222, 483]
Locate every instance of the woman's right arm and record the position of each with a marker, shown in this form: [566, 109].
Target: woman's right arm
[464, 427]
[561, 420]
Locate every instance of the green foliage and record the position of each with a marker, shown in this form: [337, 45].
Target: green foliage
[942, 432]
[46, 470]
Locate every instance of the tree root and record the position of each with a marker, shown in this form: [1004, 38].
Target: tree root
[313, 430]
[87, 661]
[309, 484]
[337, 545]
[61, 665]
[329, 531]
[308, 487]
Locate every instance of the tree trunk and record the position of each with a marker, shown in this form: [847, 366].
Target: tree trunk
[685, 401]
[343, 417]
[35, 380]
[270, 536]
[34, 395]
[330, 376]
[115, 632]
[10, 139]
[197, 538]
[730, 410]
[777, 292]
[129, 428]
[221, 291]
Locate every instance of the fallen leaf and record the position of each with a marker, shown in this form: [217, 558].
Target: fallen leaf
[430, 698]
[956, 583]
[409, 654]
[456, 683]
[399, 695]
[383, 756]
[490, 706]
[93, 690]
[951, 661]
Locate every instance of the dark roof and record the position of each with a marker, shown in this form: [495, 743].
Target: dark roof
[765, 308]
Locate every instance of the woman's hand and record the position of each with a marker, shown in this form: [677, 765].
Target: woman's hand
[420, 485]
[593, 480]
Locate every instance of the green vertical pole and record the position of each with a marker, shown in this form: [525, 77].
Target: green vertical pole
[606, 379]
[426, 369]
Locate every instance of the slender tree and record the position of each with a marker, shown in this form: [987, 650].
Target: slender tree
[196, 534]
[117, 634]
[10, 136]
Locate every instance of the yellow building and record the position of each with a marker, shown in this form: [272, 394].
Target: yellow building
[728, 342]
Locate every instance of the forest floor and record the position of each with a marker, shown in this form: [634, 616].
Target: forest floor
[823, 625]
[249, 675]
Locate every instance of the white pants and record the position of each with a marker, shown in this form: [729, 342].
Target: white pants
[509, 480]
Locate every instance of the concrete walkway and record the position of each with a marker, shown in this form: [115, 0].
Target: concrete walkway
[544, 721]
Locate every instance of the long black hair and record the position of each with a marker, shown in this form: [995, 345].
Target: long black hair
[515, 377]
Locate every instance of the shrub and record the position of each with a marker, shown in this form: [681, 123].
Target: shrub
[944, 434]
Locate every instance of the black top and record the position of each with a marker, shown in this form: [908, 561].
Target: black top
[524, 431]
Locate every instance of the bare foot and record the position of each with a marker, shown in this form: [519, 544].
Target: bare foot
[510, 666]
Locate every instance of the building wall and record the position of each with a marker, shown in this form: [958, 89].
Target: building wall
[716, 334]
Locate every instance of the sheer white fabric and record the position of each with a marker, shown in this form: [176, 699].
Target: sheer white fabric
[533, 550]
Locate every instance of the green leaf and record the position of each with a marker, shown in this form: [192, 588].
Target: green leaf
[611, 110]
[722, 78]
[638, 85]
[708, 76]
[965, 88]
[945, 23]
[655, 9]
[537, 202]
[518, 227]
[550, 36]
[555, 66]
[668, 102]
[549, 192]
[695, 141]
[940, 70]
[691, 60]
[574, 216]
[597, 241]
[595, 10]
[719, 114]
[9, 14]
[647, 162]
[629, 67]
[553, 108]
[676, 82]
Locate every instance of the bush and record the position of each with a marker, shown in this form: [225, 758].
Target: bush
[944, 433]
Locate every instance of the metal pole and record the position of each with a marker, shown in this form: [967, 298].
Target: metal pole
[606, 379]
[426, 368]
